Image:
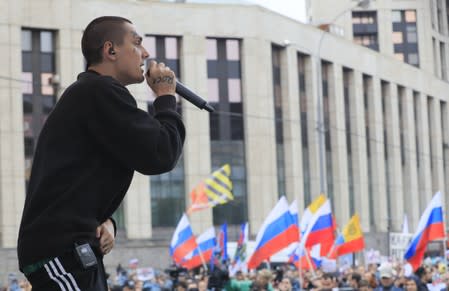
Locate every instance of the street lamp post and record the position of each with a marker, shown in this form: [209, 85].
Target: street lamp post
[320, 118]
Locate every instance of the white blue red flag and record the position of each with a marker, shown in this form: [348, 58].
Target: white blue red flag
[203, 253]
[320, 229]
[293, 209]
[183, 241]
[430, 227]
[277, 232]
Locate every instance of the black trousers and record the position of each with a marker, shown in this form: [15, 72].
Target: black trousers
[66, 273]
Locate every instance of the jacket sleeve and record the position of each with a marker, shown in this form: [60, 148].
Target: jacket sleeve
[145, 143]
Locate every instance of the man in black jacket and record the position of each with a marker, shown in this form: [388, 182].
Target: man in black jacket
[87, 152]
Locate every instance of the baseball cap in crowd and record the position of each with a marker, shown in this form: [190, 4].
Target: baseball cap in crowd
[133, 263]
[386, 271]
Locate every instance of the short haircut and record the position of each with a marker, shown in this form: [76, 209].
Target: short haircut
[97, 32]
[329, 276]
[356, 277]
[363, 283]
[420, 272]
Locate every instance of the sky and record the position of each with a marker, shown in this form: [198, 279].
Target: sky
[295, 9]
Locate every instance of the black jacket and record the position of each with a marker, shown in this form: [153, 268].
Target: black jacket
[87, 152]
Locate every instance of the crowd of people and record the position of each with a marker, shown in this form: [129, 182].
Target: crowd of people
[379, 277]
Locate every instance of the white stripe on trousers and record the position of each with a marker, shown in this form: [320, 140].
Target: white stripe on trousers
[59, 274]
[52, 265]
[54, 278]
[61, 268]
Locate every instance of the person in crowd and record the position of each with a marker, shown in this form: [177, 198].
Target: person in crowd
[181, 286]
[371, 278]
[410, 284]
[364, 286]
[387, 277]
[424, 276]
[130, 285]
[354, 281]
[329, 281]
[285, 284]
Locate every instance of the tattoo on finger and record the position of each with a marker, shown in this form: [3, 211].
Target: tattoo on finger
[165, 79]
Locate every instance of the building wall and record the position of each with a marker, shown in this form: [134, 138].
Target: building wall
[254, 26]
[432, 26]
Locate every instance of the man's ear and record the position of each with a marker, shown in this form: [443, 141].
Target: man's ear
[108, 50]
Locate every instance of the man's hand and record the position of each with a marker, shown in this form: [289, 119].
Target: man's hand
[105, 233]
[161, 79]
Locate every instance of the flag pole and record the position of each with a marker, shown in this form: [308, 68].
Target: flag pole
[202, 259]
[310, 264]
[300, 274]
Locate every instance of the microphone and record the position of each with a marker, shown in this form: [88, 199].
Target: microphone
[187, 94]
[193, 98]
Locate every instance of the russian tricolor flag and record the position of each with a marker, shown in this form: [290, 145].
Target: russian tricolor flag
[293, 209]
[206, 244]
[430, 227]
[278, 231]
[305, 259]
[183, 241]
[320, 229]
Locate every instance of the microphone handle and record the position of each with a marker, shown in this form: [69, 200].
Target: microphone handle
[196, 100]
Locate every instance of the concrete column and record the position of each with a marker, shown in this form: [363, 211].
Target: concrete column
[197, 163]
[424, 169]
[311, 82]
[410, 177]
[358, 149]
[338, 144]
[292, 126]
[385, 26]
[137, 208]
[137, 202]
[12, 160]
[436, 144]
[376, 136]
[394, 170]
[424, 29]
[259, 132]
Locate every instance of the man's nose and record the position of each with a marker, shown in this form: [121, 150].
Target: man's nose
[145, 54]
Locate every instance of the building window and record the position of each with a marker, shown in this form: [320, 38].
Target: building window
[385, 88]
[278, 120]
[435, 56]
[445, 137]
[226, 123]
[430, 112]
[405, 36]
[304, 61]
[327, 129]
[416, 105]
[348, 76]
[440, 18]
[367, 96]
[447, 12]
[364, 26]
[402, 128]
[167, 190]
[38, 91]
[443, 61]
